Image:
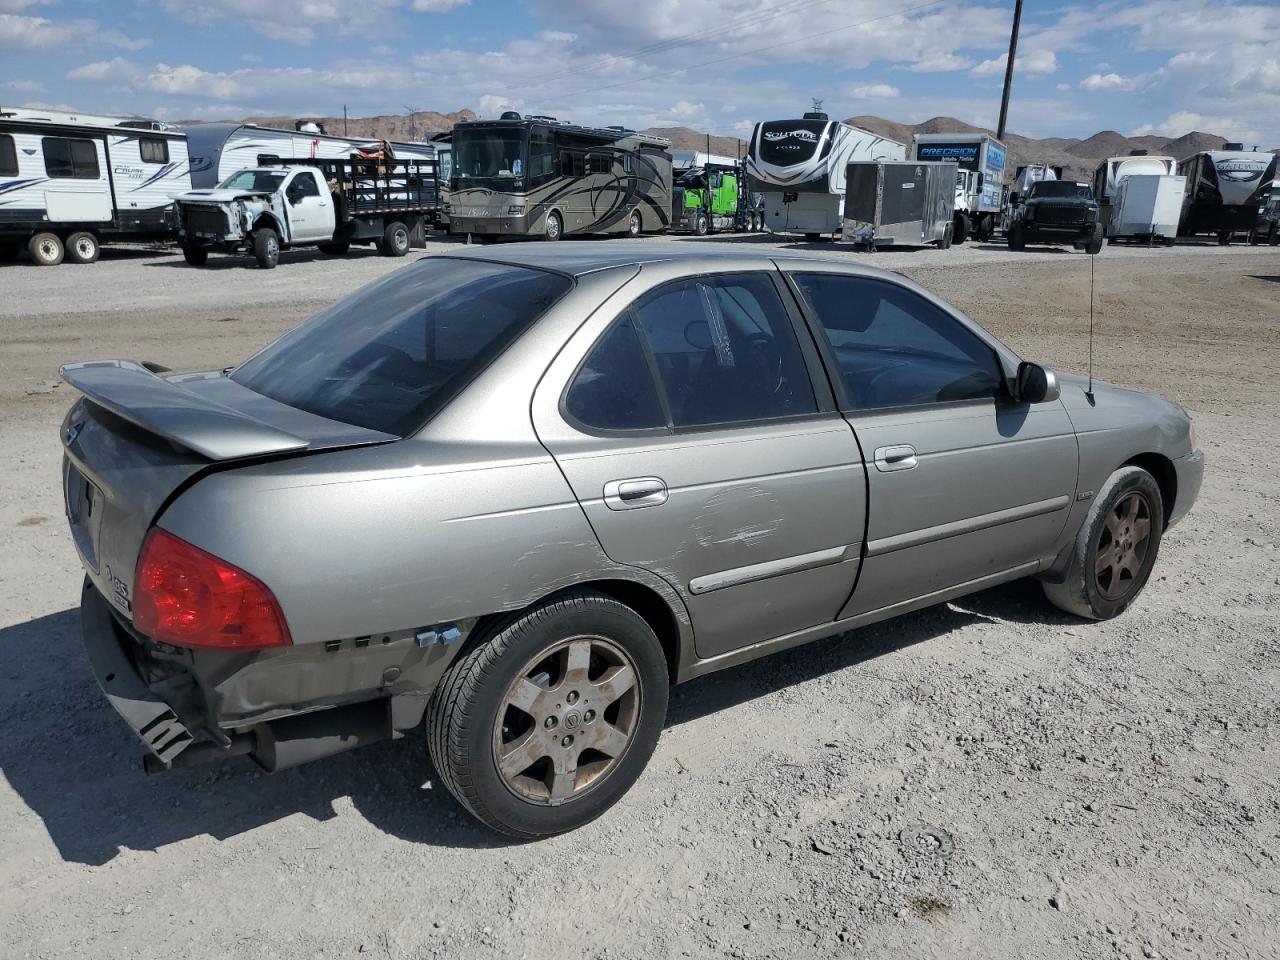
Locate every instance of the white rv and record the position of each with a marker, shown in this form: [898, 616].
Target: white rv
[70, 182]
[1110, 172]
[1146, 207]
[799, 167]
[1225, 189]
[219, 150]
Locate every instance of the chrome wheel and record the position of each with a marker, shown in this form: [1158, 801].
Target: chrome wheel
[567, 720]
[1122, 546]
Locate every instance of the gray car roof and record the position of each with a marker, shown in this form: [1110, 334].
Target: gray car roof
[587, 256]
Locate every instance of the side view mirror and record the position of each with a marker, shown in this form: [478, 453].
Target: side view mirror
[1036, 384]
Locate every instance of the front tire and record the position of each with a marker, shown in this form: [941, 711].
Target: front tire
[266, 248]
[195, 254]
[1017, 237]
[46, 249]
[83, 247]
[554, 228]
[544, 725]
[1115, 549]
[701, 226]
[960, 230]
[1094, 246]
[633, 224]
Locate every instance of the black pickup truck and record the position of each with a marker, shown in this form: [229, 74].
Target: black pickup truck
[1060, 212]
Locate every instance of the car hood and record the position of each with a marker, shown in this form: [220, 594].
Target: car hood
[221, 196]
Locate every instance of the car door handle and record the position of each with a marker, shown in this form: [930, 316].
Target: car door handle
[635, 493]
[900, 457]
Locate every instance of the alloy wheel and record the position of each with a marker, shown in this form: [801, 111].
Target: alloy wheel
[1122, 546]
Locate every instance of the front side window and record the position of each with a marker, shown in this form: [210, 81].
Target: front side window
[542, 154]
[67, 159]
[894, 348]
[153, 150]
[390, 355]
[8, 157]
[305, 186]
[724, 351]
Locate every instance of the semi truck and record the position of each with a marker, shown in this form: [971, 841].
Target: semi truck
[709, 195]
[980, 159]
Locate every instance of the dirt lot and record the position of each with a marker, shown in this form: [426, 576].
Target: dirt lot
[988, 778]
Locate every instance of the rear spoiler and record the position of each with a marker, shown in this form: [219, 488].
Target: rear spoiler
[186, 417]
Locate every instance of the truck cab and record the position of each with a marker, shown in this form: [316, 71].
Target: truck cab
[709, 199]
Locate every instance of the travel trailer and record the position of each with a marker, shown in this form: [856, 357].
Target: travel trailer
[1225, 188]
[980, 192]
[71, 182]
[219, 150]
[540, 177]
[799, 167]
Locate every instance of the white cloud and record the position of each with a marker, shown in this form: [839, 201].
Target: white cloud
[39, 33]
[17, 6]
[991, 68]
[438, 6]
[1108, 81]
[875, 91]
[1186, 121]
[290, 21]
[941, 63]
[1035, 62]
[1064, 87]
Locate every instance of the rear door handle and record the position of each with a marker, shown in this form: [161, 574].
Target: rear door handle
[899, 457]
[635, 493]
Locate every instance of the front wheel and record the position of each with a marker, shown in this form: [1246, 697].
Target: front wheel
[544, 725]
[959, 230]
[1094, 246]
[82, 247]
[195, 254]
[1115, 549]
[701, 226]
[554, 227]
[633, 224]
[266, 248]
[1017, 238]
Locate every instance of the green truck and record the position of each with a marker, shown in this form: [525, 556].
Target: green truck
[709, 195]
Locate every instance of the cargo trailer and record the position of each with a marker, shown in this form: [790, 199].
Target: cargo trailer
[908, 202]
[1145, 208]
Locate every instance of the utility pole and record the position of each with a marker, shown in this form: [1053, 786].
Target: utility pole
[344, 120]
[1008, 68]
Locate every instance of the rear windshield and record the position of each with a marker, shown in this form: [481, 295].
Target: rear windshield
[1060, 188]
[390, 355]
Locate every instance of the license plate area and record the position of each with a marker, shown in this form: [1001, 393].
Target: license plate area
[84, 504]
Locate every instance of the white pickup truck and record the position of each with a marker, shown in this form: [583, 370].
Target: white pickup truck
[329, 204]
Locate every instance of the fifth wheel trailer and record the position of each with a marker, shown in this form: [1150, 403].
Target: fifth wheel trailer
[799, 168]
[1225, 188]
[70, 182]
[907, 202]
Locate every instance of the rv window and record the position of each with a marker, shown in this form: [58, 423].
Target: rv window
[153, 150]
[572, 164]
[628, 165]
[8, 157]
[600, 163]
[542, 154]
[70, 159]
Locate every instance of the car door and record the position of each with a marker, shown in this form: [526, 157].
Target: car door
[965, 484]
[688, 424]
[310, 208]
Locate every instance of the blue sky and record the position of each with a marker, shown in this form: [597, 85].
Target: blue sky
[1145, 66]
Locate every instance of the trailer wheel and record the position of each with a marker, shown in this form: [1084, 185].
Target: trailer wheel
[960, 230]
[195, 254]
[701, 226]
[395, 240]
[46, 249]
[946, 238]
[266, 248]
[335, 249]
[1017, 237]
[633, 224]
[82, 247]
[554, 228]
[1224, 238]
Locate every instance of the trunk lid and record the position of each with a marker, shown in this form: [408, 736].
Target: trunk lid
[137, 438]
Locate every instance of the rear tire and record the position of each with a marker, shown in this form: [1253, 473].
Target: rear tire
[959, 230]
[195, 254]
[557, 667]
[553, 230]
[83, 247]
[633, 224]
[335, 249]
[46, 249]
[266, 248]
[395, 240]
[1104, 577]
[1274, 238]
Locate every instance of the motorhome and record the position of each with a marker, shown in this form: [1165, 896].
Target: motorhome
[219, 150]
[980, 192]
[1225, 188]
[537, 176]
[799, 167]
[70, 182]
[1110, 172]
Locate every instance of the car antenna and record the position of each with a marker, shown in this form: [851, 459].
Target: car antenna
[1089, 392]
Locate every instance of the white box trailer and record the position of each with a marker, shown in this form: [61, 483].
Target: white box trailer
[70, 182]
[979, 194]
[1146, 208]
[798, 166]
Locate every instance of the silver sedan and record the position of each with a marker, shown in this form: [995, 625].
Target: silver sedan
[515, 496]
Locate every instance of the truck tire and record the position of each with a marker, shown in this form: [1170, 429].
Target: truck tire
[395, 240]
[335, 249]
[1094, 246]
[701, 225]
[633, 224]
[266, 248]
[1273, 239]
[544, 724]
[194, 254]
[46, 249]
[960, 230]
[82, 247]
[1017, 237]
[553, 230]
[1224, 238]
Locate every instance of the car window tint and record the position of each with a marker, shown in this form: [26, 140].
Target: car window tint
[306, 185]
[393, 353]
[614, 390]
[725, 349]
[8, 157]
[895, 348]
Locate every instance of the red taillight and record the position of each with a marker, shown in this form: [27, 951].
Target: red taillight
[187, 597]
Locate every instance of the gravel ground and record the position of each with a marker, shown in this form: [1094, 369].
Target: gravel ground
[985, 778]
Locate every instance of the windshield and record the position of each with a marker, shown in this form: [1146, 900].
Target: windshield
[1060, 188]
[260, 181]
[392, 354]
[489, 154]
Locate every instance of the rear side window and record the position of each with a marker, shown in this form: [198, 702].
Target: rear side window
[392, 354]
[895, 348]
[67, 159]
[8, 157]
[153, 150]
[614, 389]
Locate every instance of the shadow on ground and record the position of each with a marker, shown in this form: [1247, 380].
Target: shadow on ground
[76, 766]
